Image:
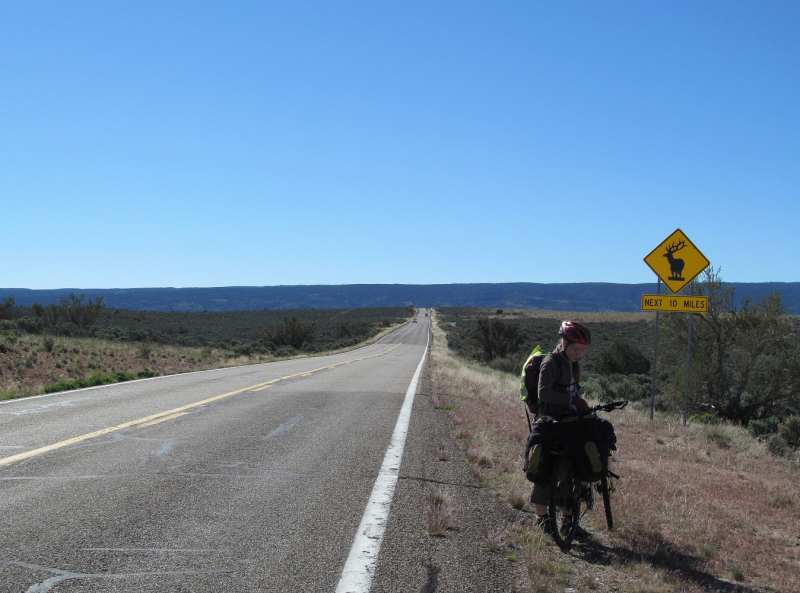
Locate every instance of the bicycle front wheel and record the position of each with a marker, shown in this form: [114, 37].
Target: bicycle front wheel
[607, 501]
[565, 502]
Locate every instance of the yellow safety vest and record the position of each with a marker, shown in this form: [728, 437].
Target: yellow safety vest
[523, 391]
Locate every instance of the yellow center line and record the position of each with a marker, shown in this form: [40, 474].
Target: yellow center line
[169, 414]
[164, 419]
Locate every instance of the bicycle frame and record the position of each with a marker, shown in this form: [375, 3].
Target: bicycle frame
[568, 493]
[585, 494]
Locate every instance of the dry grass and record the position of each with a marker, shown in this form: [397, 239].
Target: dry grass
[584, 316]
[442, 453]
[438, 512]
[33, 362]
[701, 507]
[548, 572]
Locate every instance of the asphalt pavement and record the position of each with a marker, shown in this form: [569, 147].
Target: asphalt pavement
[244, 479]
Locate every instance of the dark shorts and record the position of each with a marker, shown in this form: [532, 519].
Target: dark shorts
[540, 494]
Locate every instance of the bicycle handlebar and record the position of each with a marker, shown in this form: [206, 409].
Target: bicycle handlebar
[618, 405]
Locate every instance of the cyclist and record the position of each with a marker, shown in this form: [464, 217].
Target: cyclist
[559, 392]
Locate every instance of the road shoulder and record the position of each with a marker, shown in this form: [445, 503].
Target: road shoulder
[460, 560]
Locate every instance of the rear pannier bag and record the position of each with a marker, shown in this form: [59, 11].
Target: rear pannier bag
[539, 460]
[583, 434]
[607, 433]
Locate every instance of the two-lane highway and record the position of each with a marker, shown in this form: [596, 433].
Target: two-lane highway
[244, 479]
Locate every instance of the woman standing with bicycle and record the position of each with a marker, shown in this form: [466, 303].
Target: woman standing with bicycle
[559, 393]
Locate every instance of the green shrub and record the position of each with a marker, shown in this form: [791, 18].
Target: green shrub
[64, 329]
[789, 429]
[285, 352]
[764, 426]
[353, 328]
[7, 307]
[219, 329]
[507, 365]
[99, 379]
[744, 354]
[704, 418]
[495, 338]
[31, 325]
[621, 358]
[777, 445]
[243, 350]
[144, 350]
[81, 315]
[717, 434]
[290, 332]
[617, 387]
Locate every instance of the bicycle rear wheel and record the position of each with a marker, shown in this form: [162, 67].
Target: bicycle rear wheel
[564, 494]
[607, 501]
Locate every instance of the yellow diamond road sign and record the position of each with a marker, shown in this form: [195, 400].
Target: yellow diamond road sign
[676, 261]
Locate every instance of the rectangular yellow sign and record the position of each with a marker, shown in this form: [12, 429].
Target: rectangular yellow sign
[663, 302]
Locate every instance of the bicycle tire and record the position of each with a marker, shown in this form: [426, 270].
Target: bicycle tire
[607, 502]
[564, 493]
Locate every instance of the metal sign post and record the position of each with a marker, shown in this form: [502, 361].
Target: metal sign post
[688, 364]
[655, 361]
[676, 273]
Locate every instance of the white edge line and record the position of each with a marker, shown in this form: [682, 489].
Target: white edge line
[117, 384]
[363, 558]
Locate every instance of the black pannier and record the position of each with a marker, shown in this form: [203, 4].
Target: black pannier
[590, 439]
[607, 433]
[539, 460]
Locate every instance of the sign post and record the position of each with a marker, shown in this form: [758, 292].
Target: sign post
[688, 366]
[655, 361]
[675, 273]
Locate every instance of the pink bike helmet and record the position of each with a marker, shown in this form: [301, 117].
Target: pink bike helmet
[574, 331]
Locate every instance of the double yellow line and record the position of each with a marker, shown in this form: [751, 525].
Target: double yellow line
[173, 413]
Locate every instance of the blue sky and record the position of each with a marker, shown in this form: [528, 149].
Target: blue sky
[263, 143]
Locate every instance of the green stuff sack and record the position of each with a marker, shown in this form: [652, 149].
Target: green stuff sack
[593, 455]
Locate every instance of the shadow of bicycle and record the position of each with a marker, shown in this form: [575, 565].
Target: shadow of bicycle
[654, 550]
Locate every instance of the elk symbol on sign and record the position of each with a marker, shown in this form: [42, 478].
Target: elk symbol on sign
[675, 264]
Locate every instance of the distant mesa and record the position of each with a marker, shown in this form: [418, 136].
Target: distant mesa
[587, 296]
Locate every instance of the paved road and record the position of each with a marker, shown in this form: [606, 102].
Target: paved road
[247, 479]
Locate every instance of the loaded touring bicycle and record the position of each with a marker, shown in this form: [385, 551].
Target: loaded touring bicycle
[572, 455]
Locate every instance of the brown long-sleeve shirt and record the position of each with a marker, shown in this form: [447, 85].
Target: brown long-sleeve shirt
[554, 381]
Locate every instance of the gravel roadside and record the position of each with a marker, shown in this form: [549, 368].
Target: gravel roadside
[460, 560]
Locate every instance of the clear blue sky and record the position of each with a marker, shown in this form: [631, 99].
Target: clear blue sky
[260, 143]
